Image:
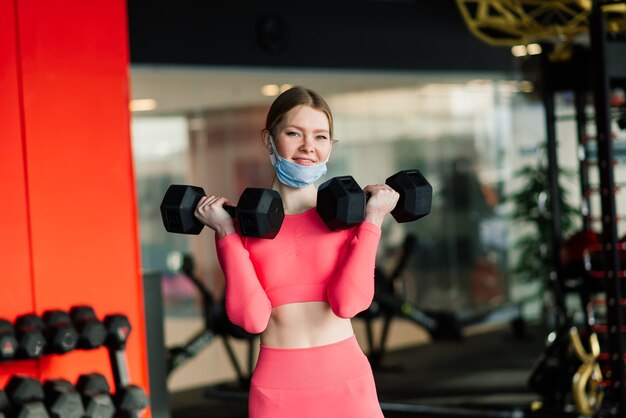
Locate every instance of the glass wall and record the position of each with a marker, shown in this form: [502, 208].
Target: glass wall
[467, 133]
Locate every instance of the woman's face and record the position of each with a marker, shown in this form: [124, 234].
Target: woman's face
[304, 136]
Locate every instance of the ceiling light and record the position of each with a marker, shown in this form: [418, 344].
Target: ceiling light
[270, 90]
[533, 49]
[142, 105]
[519, 51]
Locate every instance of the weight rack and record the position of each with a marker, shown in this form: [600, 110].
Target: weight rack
[603, 69]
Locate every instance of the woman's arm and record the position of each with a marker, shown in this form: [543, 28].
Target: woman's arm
[247, 304]
[351, 289]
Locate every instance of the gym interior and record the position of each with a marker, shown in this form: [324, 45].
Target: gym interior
[505, 300]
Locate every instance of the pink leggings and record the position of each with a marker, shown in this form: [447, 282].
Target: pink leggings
[327, 381]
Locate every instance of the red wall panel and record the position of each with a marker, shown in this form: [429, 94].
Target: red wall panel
[81, 184]
[82, 219]
[16, 296]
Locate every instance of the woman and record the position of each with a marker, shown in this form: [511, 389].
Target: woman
[300, 289]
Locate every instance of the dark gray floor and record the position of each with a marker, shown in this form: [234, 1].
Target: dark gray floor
[485, 374]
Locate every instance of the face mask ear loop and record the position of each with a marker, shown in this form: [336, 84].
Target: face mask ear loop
[274, 156]
[328, 156]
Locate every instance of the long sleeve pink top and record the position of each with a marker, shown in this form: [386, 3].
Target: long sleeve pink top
[305, 262]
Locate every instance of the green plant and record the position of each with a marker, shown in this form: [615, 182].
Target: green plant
[530, 206]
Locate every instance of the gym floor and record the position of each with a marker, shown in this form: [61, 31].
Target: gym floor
[484, 375]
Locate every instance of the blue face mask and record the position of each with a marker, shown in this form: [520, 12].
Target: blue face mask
[292, 174]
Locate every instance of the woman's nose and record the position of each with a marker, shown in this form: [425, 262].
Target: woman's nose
[308, 143]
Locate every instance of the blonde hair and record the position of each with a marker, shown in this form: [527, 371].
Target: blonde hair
[296, 96]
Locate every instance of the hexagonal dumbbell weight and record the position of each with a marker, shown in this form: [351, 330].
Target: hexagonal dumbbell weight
[62, 400]
[95, 391]
[259, 212]
[61, 336]
[91, 331]
[26, 397]
[4, 404]
[8, 343]
[341, 201]
[416, 195]
[30, 339]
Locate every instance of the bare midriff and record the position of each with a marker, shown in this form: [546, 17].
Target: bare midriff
[303, 325]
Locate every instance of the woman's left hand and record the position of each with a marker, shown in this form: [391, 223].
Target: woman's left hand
[382, 200]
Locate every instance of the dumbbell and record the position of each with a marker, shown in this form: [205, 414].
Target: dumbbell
[259, 212]
[341, 201]
[61, 336]
[8, 343]
[91, 331]
[94, 389]
[4, 404]
[62, 400]
[29, 334]
[26, 397]
[130, 400]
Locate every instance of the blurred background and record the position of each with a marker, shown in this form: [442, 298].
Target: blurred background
[199, 106]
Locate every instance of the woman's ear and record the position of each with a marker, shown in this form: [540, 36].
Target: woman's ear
[265, 137]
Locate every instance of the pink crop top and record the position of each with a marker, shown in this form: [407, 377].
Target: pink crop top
[305, 262]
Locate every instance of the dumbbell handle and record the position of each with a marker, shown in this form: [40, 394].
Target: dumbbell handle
[234, 213]
[232, 210]
[119, 367]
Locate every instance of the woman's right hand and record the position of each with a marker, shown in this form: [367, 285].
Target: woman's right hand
[210, 211]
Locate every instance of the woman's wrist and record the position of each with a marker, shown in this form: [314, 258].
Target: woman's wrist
[375, 218]
[223, 230]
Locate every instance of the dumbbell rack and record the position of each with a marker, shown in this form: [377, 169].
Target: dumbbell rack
[605, 75]
[607, 72]
[60, 333]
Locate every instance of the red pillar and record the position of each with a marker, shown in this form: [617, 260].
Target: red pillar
[70, 233]
[16, 279]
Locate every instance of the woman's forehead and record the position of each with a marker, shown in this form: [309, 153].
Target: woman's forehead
[306, 117]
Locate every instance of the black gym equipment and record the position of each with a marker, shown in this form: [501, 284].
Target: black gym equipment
[341, 201]
[259, 212]
[30, 339]
[388, 305]
[61, 336]
[4, 404]
[62, 400]
[26, 396]
[216, 324]
[91, 331]
[441, 325]
[8, 343]
[95, 392]
[130, 400]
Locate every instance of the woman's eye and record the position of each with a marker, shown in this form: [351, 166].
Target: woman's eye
[321, 137]
[292, 133]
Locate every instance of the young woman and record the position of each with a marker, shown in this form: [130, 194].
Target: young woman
[300, 289]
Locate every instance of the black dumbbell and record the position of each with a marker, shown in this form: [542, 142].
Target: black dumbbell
[4, 405]
[8, 343]
[26, 397]
[341, 201]
[95, 392]
[62, 400]
[61, 336]
[130, 400]
[259, 212]
[91, 331]
[30, 338]
[416, 195]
